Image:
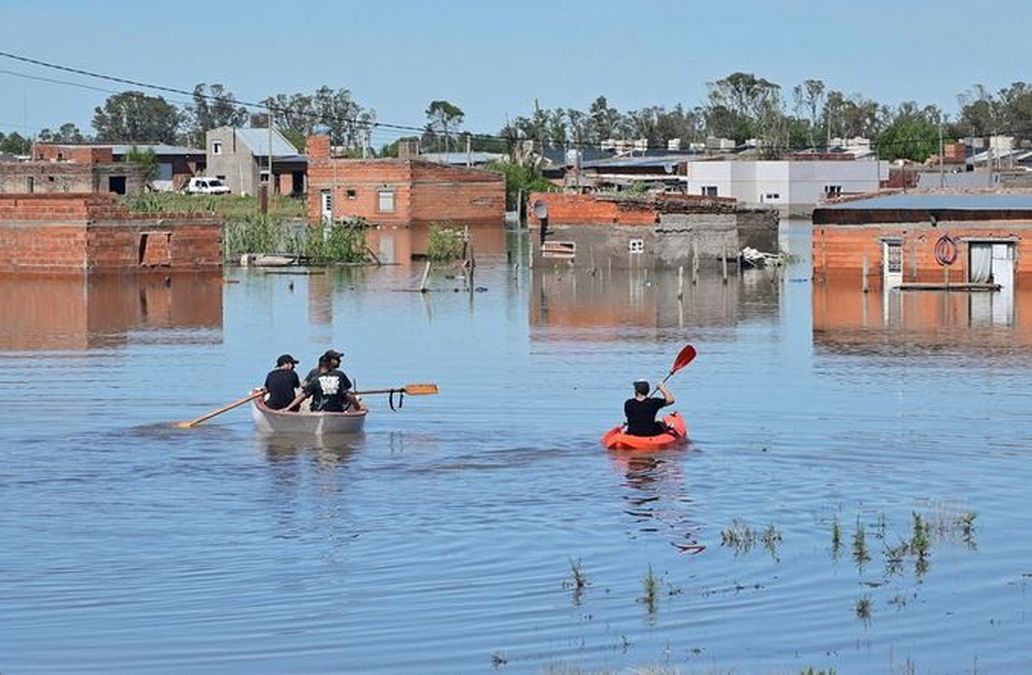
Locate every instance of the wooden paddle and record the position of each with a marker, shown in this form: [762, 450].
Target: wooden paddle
[410, 389]
[235, 404]
[684, 357]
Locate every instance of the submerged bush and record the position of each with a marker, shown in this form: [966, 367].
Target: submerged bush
[340, 243]
[445, 241]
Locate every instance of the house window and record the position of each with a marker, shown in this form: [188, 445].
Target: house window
[709, 190]
[352, 194]
[263, 177]
[636, 246]
[832, 190]
[385, 204]
[216, 147]
[221, 178]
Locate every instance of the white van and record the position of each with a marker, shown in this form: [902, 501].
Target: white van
[201, 185]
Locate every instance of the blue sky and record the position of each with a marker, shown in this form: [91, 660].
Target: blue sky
[493, 59]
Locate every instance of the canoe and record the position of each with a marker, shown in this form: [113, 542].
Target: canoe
[271, 421]
[616, 439]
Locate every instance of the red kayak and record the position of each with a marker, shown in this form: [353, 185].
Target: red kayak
[616, 439]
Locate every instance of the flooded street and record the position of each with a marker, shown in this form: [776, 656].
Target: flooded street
[854, 495]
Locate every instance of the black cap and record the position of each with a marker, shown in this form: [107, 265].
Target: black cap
[331, 354]
[286, 358]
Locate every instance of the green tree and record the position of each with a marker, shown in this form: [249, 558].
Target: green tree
[520, 178]
[213, 106]
[134, 117]
[442, 116]
[147, 159]
[910, 136]
[15, 144]
[66, 133]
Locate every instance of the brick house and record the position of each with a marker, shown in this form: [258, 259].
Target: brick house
[71, 168]
[78, 232]
[175, 164]
[894, 239]
[401, 192]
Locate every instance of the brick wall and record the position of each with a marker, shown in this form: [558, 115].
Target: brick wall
[80, 154]
[63, 232]
[445, 193]
[578, 209]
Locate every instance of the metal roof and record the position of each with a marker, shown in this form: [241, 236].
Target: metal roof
[961, 202]
[460, 158]
[158, 148]
[258, 141]
[664, 162]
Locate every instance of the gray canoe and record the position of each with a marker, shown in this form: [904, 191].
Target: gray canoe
[271, 421]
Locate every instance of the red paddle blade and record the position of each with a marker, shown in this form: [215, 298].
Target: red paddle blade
[684, 357]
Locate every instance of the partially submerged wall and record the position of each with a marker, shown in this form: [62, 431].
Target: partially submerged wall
[75, 232]
[605, 231]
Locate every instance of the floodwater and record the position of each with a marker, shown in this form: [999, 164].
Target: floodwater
[445, 539]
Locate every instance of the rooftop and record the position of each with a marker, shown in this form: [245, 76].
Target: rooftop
[258, 141]
[970, 201]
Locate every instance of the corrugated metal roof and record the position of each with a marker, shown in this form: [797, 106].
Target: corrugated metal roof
[629, 162]
[459, 158]
[158, 148]
[973, 202]
[258, 141]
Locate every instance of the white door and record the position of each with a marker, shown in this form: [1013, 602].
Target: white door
[326, 201]
[1003, 274]
[892, 264]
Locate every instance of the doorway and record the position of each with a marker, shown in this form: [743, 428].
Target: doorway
[892, 263]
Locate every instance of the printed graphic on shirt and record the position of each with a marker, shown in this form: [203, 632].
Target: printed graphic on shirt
[330, 385]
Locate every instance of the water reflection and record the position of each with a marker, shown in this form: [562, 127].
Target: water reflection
[846, 318]
[645, 298]
[657, 497]
[392, 244]
[87, 311]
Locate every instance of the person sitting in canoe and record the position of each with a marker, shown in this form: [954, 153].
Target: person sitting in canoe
[329, 390]
[281, 384]
[641, 410]
[331, 355]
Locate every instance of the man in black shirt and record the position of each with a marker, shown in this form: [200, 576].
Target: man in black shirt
[641, 410]
[331, 355]
[282, 384]
[328, 389]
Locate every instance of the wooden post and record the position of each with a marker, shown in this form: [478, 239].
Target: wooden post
[723, 260]
[426, 274]
[680, 281]
[695, 264]
[946, 275]
[863, 281]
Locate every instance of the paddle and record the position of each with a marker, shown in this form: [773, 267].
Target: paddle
[684, 357]
[218, 411]
[410, 389]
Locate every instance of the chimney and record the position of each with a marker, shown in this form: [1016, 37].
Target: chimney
[318, 147]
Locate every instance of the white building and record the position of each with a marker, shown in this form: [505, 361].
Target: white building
[794, 187]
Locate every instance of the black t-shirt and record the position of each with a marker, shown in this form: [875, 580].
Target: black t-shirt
[281, 384]
[641, 416]
[327, 390]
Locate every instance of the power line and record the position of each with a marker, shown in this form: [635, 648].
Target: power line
[362, 123]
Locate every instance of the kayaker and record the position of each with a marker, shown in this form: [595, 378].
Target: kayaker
[282, 384]
[641, 410]
[328, 389]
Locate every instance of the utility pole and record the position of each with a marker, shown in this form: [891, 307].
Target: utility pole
[269, 182]
[942, 149]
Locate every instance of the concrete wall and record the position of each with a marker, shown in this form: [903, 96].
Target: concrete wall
[50, 177]
[235, 163]
[68, 232]
[799, 186]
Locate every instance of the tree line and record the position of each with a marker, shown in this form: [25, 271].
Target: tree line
[741, 106]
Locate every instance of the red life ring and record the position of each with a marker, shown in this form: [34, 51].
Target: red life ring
[946, 250]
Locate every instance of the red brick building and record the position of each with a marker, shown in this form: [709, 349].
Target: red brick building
[401, 192]
[894, 238]
[71, 168]
[89, 231]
